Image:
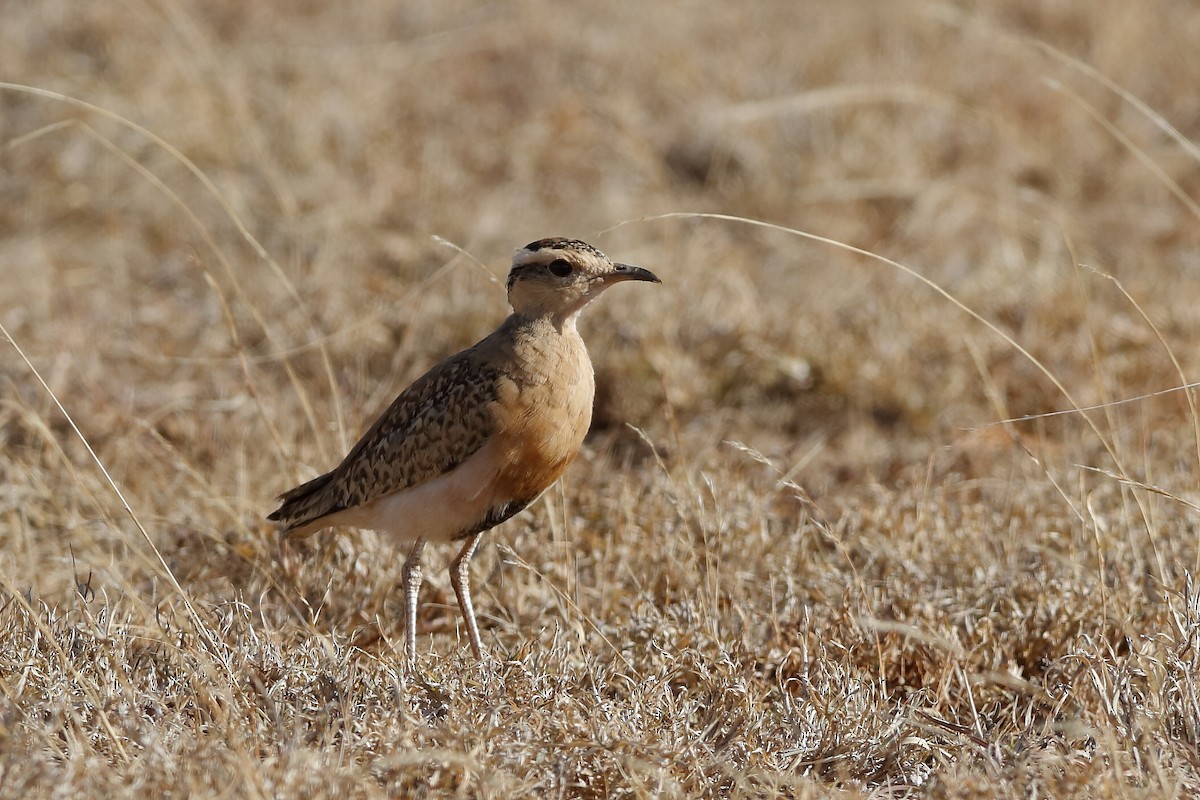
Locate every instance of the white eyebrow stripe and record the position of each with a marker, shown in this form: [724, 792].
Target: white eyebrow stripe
[525, 257]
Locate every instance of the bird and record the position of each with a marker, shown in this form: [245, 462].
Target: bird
[479, 436]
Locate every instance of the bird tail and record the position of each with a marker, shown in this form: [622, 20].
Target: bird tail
[301, 509]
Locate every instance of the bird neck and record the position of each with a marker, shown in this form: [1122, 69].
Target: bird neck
[561, 323]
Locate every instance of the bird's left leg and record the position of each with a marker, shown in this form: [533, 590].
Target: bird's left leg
[460, 579]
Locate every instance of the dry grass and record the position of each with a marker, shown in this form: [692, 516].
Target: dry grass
[814, 568]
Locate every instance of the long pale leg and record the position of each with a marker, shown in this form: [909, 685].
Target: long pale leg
[411, 576]
[460, 579]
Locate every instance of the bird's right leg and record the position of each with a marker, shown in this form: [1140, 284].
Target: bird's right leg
[411, 575]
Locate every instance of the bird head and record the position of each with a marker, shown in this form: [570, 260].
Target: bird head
[558, 277]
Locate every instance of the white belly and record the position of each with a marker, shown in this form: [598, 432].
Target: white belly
[440, 509]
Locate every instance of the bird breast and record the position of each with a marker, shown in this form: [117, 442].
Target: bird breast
[543, 409]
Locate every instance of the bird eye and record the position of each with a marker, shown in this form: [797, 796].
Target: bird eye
[559, 268]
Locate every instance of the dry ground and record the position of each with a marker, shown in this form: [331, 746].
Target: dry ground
[798, 557]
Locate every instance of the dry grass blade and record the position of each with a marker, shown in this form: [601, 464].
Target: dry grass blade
[230, 213]
[201, 628]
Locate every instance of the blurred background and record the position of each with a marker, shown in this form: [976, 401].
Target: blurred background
[959, 139]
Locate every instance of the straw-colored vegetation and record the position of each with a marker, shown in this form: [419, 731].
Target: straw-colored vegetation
[799, 556]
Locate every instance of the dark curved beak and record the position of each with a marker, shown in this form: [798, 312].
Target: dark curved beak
[626, 272]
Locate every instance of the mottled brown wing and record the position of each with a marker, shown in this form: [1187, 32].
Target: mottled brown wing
[431, 428]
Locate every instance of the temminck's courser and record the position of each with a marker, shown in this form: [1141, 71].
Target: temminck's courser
[480, 435]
